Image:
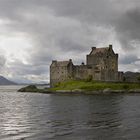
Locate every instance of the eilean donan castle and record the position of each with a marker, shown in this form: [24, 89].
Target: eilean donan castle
[101, 65]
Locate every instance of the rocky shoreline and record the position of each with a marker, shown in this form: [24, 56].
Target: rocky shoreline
[96, 92]
[34, 89]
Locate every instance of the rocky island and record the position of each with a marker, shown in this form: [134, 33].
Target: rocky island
[99, 75]
[87, 87]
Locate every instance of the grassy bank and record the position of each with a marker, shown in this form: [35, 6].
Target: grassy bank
[90, 86]
[86, 87]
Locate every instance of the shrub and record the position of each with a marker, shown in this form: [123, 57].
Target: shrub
[57, 85]
[89, 78]
[124, 79]
[138, 78]
[125, 86]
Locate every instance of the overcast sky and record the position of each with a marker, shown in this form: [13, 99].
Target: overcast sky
[33, 32]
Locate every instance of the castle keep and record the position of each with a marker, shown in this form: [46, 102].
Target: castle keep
[101, 64]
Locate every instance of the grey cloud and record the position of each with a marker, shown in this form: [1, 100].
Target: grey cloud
[127, 28]
[106, 13]
[62, 28]
[130, 59]
[2, 60]
[23, 69]
[23, 73]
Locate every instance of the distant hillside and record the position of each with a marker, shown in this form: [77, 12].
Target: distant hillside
[131, 76]
[4, 81]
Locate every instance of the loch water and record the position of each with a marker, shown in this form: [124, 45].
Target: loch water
[35, 116]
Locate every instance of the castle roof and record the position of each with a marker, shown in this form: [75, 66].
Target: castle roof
[99, 50]
[61, 63]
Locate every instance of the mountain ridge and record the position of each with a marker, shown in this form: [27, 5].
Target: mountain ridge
[131, 76]
[5, 81]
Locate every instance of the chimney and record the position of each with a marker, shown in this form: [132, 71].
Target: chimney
[93, 48]
[110, 46]
[54, 61]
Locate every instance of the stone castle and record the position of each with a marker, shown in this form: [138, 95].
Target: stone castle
[101, 65]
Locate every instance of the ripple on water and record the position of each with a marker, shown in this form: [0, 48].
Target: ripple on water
[40, 117]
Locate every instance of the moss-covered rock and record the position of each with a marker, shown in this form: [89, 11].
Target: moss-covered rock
[30, 88]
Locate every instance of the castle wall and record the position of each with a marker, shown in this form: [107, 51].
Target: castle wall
[120, 76]
[82, 72]
[97, 76]
[92, 60]
[60, 73]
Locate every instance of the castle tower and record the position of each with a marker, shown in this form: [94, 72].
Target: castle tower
[60, 71]
[104, 63]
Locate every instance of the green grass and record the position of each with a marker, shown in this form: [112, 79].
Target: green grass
[84, 86]
[89, 86]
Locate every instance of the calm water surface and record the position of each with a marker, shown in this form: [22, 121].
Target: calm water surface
[30, 116]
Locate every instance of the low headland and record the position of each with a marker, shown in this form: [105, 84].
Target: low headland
[87, 87]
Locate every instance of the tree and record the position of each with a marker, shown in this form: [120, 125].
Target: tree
[89, 78]
[124, 79]
[138, 78]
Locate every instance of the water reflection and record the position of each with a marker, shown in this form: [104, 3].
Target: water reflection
[40, 117]
[88, 115]
[13, 116]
